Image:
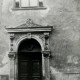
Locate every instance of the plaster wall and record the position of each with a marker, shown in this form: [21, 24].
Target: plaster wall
[64, 16]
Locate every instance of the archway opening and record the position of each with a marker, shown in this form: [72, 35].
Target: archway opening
[29, 45]
[29, 60]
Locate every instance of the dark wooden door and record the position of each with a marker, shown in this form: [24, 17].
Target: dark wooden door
[29, 66]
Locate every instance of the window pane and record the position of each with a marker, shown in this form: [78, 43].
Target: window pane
[33, 2]
[40, 3]
[17, 3]
[24, 3]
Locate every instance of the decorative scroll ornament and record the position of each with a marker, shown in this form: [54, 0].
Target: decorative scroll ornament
[46, 53]
[46, 35]
[11, 36]
[12, 55]
[29, 23]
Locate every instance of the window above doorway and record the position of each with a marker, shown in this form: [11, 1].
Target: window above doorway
[29, 4]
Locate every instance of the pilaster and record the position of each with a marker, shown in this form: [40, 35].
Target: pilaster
[12, 56]
[46, 55]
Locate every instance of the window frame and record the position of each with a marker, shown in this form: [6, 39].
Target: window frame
[28, 8]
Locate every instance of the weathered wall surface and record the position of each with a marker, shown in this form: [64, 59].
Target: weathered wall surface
[64, 16]
[0, 21]
[4, 67]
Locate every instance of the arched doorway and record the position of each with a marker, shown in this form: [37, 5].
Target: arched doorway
[29, 51]
[29, 60]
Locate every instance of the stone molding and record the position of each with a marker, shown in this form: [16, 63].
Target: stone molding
[30, 29]
[37, 37]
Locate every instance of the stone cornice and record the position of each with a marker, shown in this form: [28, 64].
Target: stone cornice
[29, 26]
[30, 29]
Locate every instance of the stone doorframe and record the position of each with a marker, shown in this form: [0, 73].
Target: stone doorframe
[27, 31]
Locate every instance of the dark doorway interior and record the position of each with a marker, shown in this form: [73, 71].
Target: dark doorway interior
[29, 60]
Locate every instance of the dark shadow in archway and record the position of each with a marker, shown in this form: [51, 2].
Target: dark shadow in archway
[29, 45]
[29, 60]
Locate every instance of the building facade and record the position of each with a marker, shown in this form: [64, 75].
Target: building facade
[40, 40]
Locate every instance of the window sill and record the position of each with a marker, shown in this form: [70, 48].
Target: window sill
[30, 8]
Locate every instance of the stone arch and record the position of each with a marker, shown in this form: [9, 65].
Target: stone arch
[30, 45]
[26, 37]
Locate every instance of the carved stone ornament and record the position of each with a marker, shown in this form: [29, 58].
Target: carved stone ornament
[46, 35]
[46, 47]
[11, 36]
[46, 53]
[29, 23]
[12, 55]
